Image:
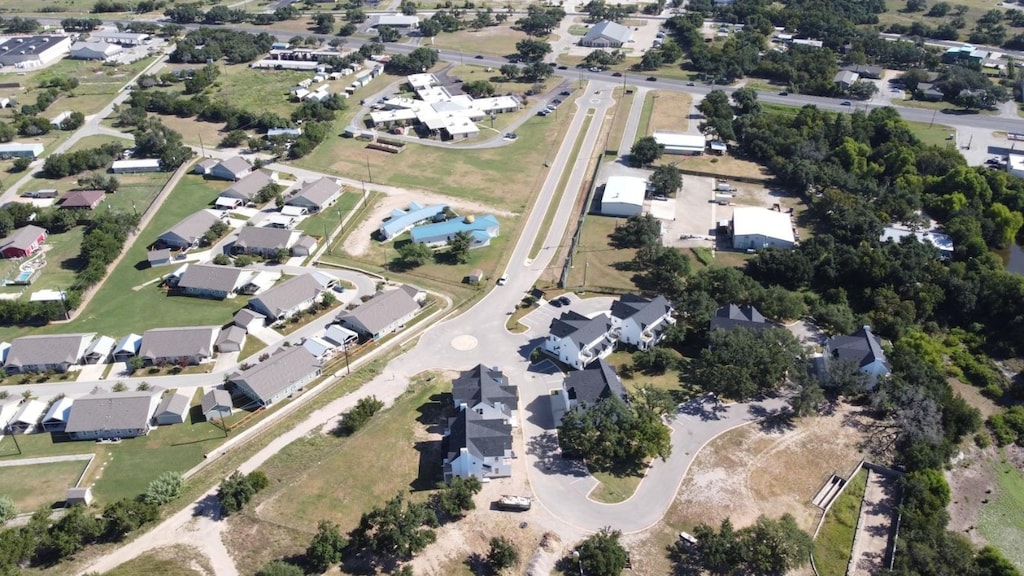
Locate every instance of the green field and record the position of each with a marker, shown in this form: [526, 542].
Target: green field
[1001, 520]
[606, 268]
[834, 544]
[123, 305]
[324, 223]
[499, 40]
[39, 485]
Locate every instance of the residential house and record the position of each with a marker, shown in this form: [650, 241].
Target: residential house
[59, 119]
[183, 345]
[233, 169]
[640, 321]
[487, 392]
[246, 317]
[264, 242]
[862, 349]
[216, 404]
[158, 257]
[576, 340]
[292, 296]
[127, 348]
[402, 220]
[283, 374]
[606, 34]
[480, 229]
[340, 336]
[320, 348]
[173, 409]
[384, 313]
[248, 186]
[112, 415]
[477, 446]
[100, 350]
[55, 353]
[304, 246]
[211, 281]
[743, 316]
[23, 242]
[189, 232]
[203, 167]
[582, 389]
[844, 79]
[57, 416]
[26, 420]
[8, 408]
[230, 339]
[316, 196]
[82, 199]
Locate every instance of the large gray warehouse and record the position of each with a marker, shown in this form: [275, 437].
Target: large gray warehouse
[32, 51]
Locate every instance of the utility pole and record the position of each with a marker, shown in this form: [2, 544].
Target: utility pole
[202, 149]
[586, 266]
[932, 123]
[369, 176]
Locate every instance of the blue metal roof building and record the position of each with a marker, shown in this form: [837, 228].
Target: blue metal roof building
[481, 228]
[402, 220]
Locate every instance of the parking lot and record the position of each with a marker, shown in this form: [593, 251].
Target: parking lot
[538, 321]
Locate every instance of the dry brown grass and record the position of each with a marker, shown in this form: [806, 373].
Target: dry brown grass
[671, 112]
[500, 40]
[726, 166]
[748, 472]
[253, 542]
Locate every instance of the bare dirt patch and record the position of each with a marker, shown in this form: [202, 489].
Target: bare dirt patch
[752, 471]
[972, 483]
[671, 111]
[358, 242]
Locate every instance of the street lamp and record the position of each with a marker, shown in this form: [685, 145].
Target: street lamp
[579, 561]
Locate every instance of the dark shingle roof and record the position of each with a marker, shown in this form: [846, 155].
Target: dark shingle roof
[481, 437]
[214, 398]
[862, 347]
[252, 237]
[291, 293]
[113, 411]
[733, 316]
[482, 384]
[583, 330]
[641, 309]
[593, 383]
[53, 349]
[211, 277]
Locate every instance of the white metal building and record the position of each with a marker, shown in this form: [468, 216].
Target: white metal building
[683, 144]
[135, 166]
[398, 21]
[1015, 165]
[755, 228]
[623, 196]
[32, 51]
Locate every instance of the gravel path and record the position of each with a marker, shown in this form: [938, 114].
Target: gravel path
[871, 541]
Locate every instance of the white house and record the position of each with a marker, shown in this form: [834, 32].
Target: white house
[479, 438]
[576, 340]
[623, 196]
[641, 322]
[487, 392]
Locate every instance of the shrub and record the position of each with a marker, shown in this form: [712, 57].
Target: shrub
[164, 488]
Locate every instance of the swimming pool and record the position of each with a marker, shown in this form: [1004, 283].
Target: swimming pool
[24, 276]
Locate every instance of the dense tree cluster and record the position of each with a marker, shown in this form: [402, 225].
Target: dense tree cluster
[614, 435]
[205, 44]
[415, 62]
[154, 140]
[741, 363]
[397, 530]
[766, 548]
[540, 20]
[20, 25]
[80, 24]
[601, 554]
[70, 163]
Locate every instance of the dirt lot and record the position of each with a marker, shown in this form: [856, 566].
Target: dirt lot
[358, 242]
[670, 113]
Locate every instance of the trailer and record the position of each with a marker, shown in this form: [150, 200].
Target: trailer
[514, 503]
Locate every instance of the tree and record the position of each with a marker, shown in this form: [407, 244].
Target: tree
[166, 487]
[125, 516]
[502, 554]
[716, 105]
[666, 180]
[354, 420]
[73, 122]
[456, 498]
[136, 363]
[537, 71]
[531, 50]
[746, 100]
[741, 363]
[478, 88]
[509, 71]
[601, 554]
[773, 547]
[7, 509]
[280, 568]
[612, 435]
[396, 530]
[640, 230]
[916, 5]
[388, 34]
[236, 490]
[459, 246]
[323, 23]
[645, 151]
[21, 164]
[326, 547]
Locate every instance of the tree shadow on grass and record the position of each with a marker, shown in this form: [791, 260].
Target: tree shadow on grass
[777, 421]
[432, 414]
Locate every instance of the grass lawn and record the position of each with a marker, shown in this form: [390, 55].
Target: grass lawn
[497, 40]
[549, 216]
[265, 90]
[98, 84]
[834, 544]
[618, 127]
[171, 561]
[501, 85]
[668, 381]
[39, 485]
[252, 346]
[895, 14]
[643, 127]
[945, 108]
[614, 488]
[306, 485]
[504, 177]
[324, 223]
[121, 306]
[1001, 521]
[599, 261]
[932, 134]
[670, 112]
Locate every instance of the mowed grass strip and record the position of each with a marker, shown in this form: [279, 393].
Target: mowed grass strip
[614, 488]
[834, 544]
[39, 485]
[1001, 520]
[605, 267]
[625, 102]
[560, 191]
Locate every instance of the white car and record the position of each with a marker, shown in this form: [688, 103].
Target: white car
[503, 280]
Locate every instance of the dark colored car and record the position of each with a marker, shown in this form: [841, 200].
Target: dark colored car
[566, 93]
[563, 67]
[564, 300]
[557, 302]
[783, 93]
[690, 84]
[478, 57]
[617, 74]
[652, 78]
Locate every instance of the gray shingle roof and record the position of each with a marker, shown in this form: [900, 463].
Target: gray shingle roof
[583, 330]
[214, 398]
[113, 411]
[481, 437]
[211, 277]
[248, 186]
[862, 347]
[641, 309]
[245, 317]
[278, 372]
[383, 309]
[733, 316]
[231, 335]
[290, 293]
[609, 29]
[316, 193]
[483, 384]
[179, 342]
[22, 237]
[593, 383]
[176, 403]
[55, 349]
[236, 165]
[252, 237]
[193, 226]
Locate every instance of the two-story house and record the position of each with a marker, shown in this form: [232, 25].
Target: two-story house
[640, 321]
[479, 438]
[576, 340]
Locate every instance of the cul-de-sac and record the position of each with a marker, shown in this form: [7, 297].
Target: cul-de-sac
[511, 287]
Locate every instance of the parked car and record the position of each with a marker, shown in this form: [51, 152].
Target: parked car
[557, 302]
[503, 280]
[690, 84]
[847, 103]
[595, 69]
[556, 101]
[783, 93]
[563, 67]
[564, 300]
[652, 78]
[511, 135]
